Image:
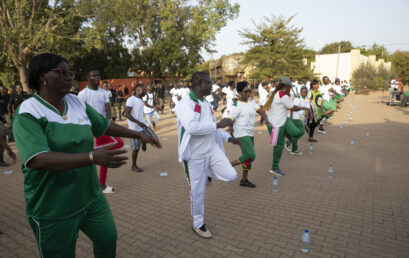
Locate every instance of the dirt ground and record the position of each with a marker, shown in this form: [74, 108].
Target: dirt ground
[362, 212]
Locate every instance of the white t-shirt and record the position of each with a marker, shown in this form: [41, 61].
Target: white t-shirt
[278, 109]
[243, 114]
[184, 92]
[326, 94]
[148, 98]
[137, 106]
[230, 95]
[210, 98]
[109, 93]
[95, 98]
[201, 145]
[300, 102]
[263, 94]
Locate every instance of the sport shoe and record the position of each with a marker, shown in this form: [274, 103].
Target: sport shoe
[137, 169]
[312, 140]
[109, 189]
[277, 172]
[209, 181]
[322, 131]
[203, 231]
[287, 146]
[247, 183]
[296, 153]
[4, 164]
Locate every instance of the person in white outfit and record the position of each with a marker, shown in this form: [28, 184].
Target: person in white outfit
[230, 94]
[200, 146]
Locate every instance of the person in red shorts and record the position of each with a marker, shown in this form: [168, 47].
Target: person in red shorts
[98, 99]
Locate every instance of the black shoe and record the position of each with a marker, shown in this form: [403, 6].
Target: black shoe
[144, 146]
[137, 169]
[312, 140]
[4, 164]
[247, 183]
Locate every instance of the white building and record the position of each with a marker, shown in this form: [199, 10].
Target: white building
[344, 64]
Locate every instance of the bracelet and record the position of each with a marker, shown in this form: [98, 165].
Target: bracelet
[91, 157]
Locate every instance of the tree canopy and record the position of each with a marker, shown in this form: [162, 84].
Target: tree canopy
[156, 37]
[332, 48]
[400, 64]
[277, 49]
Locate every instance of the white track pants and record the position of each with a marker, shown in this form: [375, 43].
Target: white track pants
[176, 101]
[215, 165]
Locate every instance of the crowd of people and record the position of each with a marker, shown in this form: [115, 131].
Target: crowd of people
[56, 128]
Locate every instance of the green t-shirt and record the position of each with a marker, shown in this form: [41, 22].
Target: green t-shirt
[38, 127]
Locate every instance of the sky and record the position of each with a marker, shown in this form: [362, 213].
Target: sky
[362, 22]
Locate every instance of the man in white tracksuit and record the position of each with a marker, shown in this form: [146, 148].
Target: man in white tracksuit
[200, 146]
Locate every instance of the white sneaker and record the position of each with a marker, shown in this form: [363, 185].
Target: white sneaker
[287, 147]
[203, 231]
[296, 153]
[109, 189]
[322, 131]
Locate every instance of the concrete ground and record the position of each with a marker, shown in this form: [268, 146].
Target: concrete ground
[362, 212]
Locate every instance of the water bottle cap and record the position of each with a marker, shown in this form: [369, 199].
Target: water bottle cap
[306, 230]
[275, 177]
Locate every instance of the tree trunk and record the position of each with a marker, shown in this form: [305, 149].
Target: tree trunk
[22, 71]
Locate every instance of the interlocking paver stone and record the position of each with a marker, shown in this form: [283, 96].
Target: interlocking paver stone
[362, 212]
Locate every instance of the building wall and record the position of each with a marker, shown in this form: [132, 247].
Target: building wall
[228, 68]
[326, 65]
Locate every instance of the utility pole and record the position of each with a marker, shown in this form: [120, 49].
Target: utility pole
[339, 52]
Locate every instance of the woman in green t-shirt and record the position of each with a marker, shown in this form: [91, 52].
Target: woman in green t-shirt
[54, 133]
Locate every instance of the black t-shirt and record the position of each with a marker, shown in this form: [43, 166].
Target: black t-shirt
[119, 96]
[113, 98]
[126, 91]
[160, 92]
[17, 99]
[4, 101]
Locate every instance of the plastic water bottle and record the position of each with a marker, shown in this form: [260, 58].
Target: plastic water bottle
[352, 143]
[330, 171]
[311, 149]
[275, 184]
[367, 135]
[305, 243]
[341, 126]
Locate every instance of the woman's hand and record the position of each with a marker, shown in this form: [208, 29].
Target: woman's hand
[109, 158]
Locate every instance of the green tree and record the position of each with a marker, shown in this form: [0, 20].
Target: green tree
[29, 27]
[276, 49]
[169, 35]
[400, 64]
[367, 77]
[379, 51]
[332, 48]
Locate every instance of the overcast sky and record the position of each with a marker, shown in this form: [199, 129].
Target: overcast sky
[325, 21]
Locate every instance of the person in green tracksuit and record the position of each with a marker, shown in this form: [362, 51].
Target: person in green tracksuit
[54, 133]
[279, 103]
[242, 113]
[294, 128]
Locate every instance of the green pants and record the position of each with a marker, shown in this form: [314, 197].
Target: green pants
[247, 151]
[329, 104]
[294, 130]
[57, 238]
[278, 149]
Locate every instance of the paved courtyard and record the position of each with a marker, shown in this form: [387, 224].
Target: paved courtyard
[362, 212]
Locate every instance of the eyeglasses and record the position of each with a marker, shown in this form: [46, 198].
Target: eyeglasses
[64, 74]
